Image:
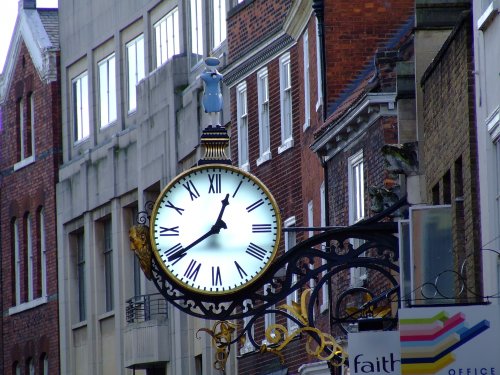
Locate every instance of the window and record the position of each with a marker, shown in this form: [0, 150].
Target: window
[30, 128]
[81, 122]
[264, 131]
[136, 70]
[26, 142]
[29, 257]
[241, 99]
[290, 242]
[196, 32]
[286, 103]
[17, 262]
[108, 266]
[324, 287]
[44, 364]
[318, 68]
[167, 37]
[136, 265]
[107, 90]
[219, 22]
[247, 346]
[17, 368]
[30, 367]
[80, 256]
[356, 188]
[307, 94]
[43, 254]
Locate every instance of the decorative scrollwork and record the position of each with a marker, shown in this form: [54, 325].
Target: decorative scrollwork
[144, 216]
[222, 335]
[319, 344]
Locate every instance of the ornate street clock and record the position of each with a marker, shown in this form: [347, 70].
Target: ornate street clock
[215, 229]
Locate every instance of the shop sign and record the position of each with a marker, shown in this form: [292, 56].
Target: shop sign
[457, 340]
[374, 353]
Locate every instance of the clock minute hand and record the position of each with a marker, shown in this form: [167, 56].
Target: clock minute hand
[219, 224]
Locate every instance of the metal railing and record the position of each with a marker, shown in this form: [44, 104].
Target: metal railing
[145, 307]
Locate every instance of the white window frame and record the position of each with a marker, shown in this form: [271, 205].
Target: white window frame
[31, 367]
[242, 123]
[107, 91]
[264, 124]
[197, 45]
[356, 187]
[307, 85]
[324, 287]
[319, 69]
[356, 183]
[29, 256]
[136, 69]
[247, 346]
[167, 35]
[291, 241]
[81, 114]
[45, 364]
[43, 253]
[22, 128]
[286, 103]
[17, 262]
[219, 29]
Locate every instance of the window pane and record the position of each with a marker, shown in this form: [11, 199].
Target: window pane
[82, 313]
[112, 89]
[196, 32]
[84, 105]
[108, 265]
[103, 93]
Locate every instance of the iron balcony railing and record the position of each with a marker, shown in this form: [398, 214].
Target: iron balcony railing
[146, 307]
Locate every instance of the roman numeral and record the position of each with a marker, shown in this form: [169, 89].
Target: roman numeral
[215, 183]
[256, 251]
[253, 206]
[172, 250]
[174, 231]
[192, 270]
[237, 188]
[241, 271]
[261, 228]
[171, 205]
[193, 193]
[216, 277]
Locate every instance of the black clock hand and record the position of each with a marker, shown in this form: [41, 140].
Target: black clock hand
[219, 224]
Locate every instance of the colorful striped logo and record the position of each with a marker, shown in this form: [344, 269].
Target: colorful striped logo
[427, 344]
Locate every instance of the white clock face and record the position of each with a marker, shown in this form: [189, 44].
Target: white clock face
[215, 229]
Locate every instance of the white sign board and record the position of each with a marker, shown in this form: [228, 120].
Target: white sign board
[458, 340]
[374, 353]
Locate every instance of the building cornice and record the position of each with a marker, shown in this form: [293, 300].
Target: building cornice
[347, 129]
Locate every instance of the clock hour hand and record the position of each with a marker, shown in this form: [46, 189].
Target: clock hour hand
[225, 202]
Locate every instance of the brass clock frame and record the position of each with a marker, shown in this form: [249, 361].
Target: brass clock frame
[160, 262]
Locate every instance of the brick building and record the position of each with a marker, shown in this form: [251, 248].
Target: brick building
[276, 106]
[30, 138]
[450, 148]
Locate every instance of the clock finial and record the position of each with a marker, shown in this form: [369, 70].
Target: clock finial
[214, 138]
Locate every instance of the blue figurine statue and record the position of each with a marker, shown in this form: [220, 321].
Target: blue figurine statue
[212, 96]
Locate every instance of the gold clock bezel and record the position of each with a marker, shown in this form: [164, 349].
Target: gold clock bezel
[156, 206]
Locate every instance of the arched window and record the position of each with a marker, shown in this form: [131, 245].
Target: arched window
[16, 266]
[30, 367]
[43, 253]
[29, 257]
[44, 364]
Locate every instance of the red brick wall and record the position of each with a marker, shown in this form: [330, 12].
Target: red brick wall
[32, 332]
[354, 30]
[250, 24]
